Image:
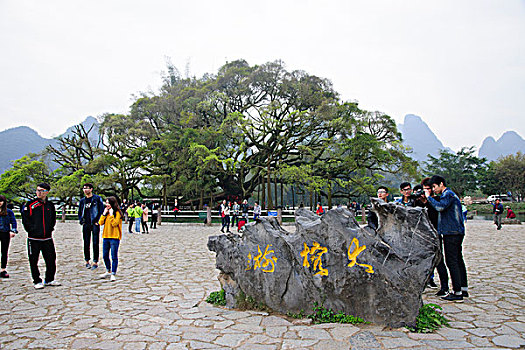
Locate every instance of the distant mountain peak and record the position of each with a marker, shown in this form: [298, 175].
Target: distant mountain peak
[509, 143]
[418, 136]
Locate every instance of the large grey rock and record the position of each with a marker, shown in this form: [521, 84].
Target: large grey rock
[379, 276]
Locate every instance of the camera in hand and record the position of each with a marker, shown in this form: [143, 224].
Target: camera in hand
[417, 193]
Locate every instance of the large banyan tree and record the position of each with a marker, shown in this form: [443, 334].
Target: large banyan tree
[245, 130]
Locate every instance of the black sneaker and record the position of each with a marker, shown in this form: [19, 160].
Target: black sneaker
[431, 284]
[453, 297]
[4, 274]
[465, 294]
[441, 293]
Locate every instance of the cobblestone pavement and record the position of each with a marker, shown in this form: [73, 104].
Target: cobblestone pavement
[163, 278]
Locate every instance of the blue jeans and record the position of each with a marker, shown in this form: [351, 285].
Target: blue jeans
[107, 245]
[137, 224]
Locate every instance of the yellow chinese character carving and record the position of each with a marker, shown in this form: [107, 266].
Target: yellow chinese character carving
[249, 266]
[352, 255]
[316, 252]
[261, 260]
[304, 254]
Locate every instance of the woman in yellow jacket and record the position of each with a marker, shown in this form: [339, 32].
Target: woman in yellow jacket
[112, 234]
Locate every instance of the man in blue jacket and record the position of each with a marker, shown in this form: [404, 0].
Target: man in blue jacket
[90, 210]
[452, 228]
[497, 210]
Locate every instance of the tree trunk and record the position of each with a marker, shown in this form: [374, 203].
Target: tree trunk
[293, 197]
[263, 189]
[311, 201]
[282, 195]
[329, 194]
[269, 183]
[275, 190]
[64, 212]
[259, 189]
[201, 200]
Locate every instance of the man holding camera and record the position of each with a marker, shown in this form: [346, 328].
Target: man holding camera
[452, 229]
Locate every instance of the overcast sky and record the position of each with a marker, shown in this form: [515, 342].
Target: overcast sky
[460, 65]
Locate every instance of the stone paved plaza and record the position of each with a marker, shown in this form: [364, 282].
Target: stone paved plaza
[163, 278]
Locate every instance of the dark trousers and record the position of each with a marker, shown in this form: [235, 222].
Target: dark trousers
[144, 226]
[442, 269]
[89, 232]
[130, 226]
[453, 247]
[235, 220]
[226, 223]
[47, 247]
[110, 244]
[5, 238]
[154, 219]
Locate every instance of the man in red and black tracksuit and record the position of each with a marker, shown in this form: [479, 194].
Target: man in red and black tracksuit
[39, 219]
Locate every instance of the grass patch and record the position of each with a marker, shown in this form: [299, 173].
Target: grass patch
[429, 319]
[322, 315]
[217, 298]
[246, 302]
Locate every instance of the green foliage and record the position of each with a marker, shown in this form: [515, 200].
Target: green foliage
[246, 302]
[429, 319]
[18, 183]
[462, 170]
[509, 172]
[323, 315]
[217, 298]
[225, 133]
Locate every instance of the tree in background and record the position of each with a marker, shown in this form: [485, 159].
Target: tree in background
[462, 170]
[509, 174]
[244, 129]
[18, 183]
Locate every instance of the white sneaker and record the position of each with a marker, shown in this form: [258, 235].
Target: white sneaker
[113, 278]
[39, 285]
[105, 275]
[53, 283]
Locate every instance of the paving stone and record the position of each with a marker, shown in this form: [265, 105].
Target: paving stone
[449, 333]
[341, 332]
[272, 321]
[517, 326]
[448, 344]
[479, 341]
[331, 345]
[313, 333]
[509, 341]
[481, 332]
[425, 336]
[364, 339]
[231, 340]
[167, 308]
[460, 325]
[298, 343]
[396, 343]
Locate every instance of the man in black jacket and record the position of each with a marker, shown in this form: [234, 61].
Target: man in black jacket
[39, 219]
[90, 210]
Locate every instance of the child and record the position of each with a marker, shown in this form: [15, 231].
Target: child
[7, 231]
[112, 234]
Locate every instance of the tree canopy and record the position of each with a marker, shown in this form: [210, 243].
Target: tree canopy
[237, 132]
